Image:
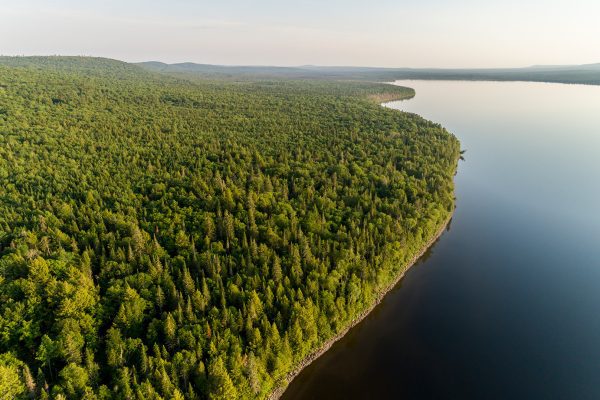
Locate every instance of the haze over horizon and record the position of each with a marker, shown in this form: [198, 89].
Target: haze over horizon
[431, 33]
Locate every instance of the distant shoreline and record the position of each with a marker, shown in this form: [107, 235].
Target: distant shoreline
[384, 98]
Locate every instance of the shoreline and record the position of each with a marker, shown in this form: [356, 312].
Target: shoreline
[323, 348]
[280, 390]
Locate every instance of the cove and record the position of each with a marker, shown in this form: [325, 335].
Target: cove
[506, 303]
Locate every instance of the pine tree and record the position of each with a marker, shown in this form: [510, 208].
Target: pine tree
[220, 384]
[169, 329]
[253, 374]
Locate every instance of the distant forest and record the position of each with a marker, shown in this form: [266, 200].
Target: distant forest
[178, 236]
[577, 74]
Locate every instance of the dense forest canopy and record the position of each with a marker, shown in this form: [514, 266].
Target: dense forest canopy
[168, 237]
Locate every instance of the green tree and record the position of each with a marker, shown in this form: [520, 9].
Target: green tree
[220, 384]
[11, 383]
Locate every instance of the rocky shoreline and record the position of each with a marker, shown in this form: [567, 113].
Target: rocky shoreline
[278, 392]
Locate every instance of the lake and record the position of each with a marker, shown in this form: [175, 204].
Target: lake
[506, 305]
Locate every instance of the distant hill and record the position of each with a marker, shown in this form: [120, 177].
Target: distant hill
[95, 66]
[91, 66]
[234, 71]
[588, 67]
[580, 74]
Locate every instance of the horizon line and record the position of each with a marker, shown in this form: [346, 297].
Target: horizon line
[301, 66]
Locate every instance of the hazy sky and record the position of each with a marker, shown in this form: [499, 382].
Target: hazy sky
[411, 33]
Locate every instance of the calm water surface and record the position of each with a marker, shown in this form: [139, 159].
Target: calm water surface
[507, 303]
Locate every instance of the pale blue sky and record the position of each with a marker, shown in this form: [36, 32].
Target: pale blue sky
[411, 33]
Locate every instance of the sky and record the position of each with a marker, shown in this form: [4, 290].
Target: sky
[385, 33]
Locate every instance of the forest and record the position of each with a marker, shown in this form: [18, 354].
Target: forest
[171, 236]
[586, 74]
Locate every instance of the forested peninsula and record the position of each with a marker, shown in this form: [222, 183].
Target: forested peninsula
[176, 236]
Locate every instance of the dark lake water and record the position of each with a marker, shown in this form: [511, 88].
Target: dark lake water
[506, 305]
